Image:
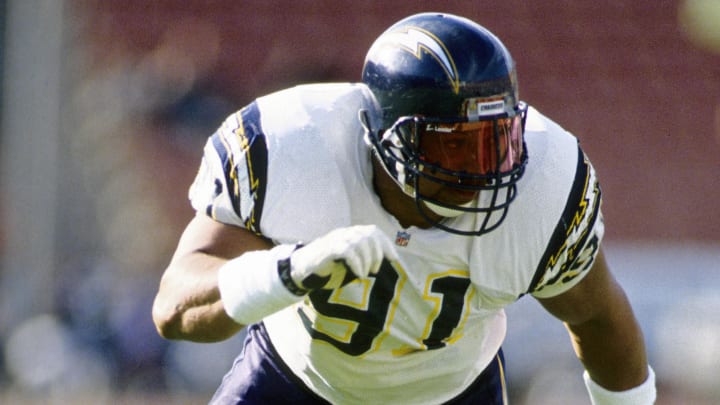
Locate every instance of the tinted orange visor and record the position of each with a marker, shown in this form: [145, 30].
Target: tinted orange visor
[473, 147]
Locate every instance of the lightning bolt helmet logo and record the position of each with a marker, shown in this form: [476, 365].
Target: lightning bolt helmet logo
[419, 42]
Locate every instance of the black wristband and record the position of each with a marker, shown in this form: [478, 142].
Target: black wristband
[284, 267]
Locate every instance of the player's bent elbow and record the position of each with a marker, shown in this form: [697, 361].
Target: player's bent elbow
[165, 321]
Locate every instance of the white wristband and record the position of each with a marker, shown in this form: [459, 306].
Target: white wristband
[643, 394]
[251, 288]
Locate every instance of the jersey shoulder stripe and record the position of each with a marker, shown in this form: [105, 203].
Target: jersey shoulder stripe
[575, 239]
[243, 132]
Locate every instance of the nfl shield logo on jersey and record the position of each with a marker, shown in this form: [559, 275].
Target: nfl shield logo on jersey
[402, 238]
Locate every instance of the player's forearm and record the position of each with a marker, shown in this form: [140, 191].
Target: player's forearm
[188, 307]
[208, 323]
[612, 351]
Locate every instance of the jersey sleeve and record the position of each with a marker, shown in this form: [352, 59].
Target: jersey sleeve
[575, 241]
[230, 183]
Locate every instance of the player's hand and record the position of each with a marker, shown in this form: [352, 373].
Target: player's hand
[340, 256]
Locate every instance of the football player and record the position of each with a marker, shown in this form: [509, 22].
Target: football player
[368, 235]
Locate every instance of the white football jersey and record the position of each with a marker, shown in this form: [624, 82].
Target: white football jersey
[293, 165]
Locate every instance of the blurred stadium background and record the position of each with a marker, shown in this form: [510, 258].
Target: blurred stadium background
[106, 104]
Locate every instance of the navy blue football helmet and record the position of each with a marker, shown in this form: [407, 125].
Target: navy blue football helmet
[451, 118]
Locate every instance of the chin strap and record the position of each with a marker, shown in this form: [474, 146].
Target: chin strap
[447, 212]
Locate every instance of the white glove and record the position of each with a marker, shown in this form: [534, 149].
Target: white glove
[340, 256]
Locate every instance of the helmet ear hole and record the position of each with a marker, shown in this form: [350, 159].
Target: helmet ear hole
[442, 69]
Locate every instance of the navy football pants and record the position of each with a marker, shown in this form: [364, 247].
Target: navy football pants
[259, 376]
